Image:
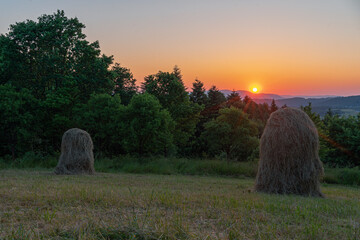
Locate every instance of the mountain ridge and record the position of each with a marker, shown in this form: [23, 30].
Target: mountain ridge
[341, 105]
[244, 93]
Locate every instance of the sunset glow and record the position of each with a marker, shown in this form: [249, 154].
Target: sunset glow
[290, 47]
[255, 90]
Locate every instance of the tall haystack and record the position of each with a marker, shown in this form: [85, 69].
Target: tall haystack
[289, 161]
[76, 153]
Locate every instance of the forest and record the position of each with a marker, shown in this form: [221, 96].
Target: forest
[53, 79]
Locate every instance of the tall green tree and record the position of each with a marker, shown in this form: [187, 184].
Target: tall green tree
[198, 94]
[103, 117]
[18, 110]
[177, 73]
[216, 100]
[56, 116]
[149, 127]
[167, 88]
[234, 99]
[341, 141]
[232, 133]
[273, 106]
[125, 83]
[171, 93]
[322, 130]
[233, 95]
[53, 53]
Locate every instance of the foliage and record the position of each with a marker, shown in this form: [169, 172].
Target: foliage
[232, 133]
[273, 106]
[339, 138]
[148, 127]
[216, 99]
[18, 132]
[57, 115]
[167, 88]
[50, 54]
[198, 94]
[322, 131]
[170, 91]
[343, 141]
[102, 117]
[125, 83]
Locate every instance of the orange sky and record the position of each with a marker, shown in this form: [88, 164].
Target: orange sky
[286, 47]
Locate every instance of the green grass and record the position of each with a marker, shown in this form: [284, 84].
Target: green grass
[174, 166]
[155, 165]
[170, 166]
[40, 205]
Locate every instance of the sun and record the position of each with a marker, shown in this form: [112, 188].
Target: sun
[254, 90]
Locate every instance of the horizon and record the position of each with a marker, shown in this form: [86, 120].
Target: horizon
[301, 49]
[287, 95]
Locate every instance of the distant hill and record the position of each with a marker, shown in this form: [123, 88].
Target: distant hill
[320, 104]
[244, 93]
[340, 105]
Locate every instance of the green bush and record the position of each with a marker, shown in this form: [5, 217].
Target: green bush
[349, 176]
[29, 160]
[345, 176]
[185, 166]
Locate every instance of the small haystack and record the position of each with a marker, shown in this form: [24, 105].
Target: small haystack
[289, 161]
[76, 153]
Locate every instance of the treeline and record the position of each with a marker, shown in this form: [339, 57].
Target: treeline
[53, 79]
[339, 138]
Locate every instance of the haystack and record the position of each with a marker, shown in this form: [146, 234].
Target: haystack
[289, 161]
[76, 153]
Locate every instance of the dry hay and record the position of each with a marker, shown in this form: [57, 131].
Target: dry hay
[76, 153]
[289, 161]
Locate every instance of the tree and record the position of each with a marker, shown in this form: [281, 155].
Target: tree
[273, 106]
[177, 73]
[198, 94]
[17, 119]
[103, 118]
[233, 96]
[167, 88]
[52, 53]
[170, 92]
[148, 126]
[247, 99]
[125, 83]
[322, 131]
[313, 115]
[57, 115]
[232, 133]
[342, 141]
[234, 100]
[216, 100]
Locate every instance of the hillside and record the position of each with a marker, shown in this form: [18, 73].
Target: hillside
[244, 93]
[340, 105]
[320, 104]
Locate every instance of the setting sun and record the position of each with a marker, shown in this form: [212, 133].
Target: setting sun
[254, 89]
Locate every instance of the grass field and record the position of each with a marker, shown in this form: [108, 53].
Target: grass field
[38, 204]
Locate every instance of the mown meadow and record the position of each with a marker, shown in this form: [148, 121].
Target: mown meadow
[39, 205]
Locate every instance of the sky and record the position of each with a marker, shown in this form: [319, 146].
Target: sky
[288, 47]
